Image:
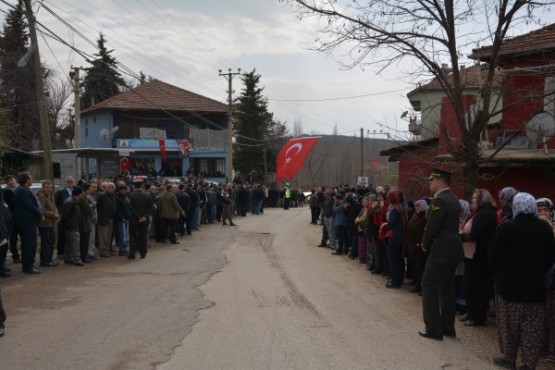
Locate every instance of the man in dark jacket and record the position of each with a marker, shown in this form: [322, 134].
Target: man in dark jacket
[6, 226]
[443, 243]
[122, 219]
[106, 211]
[140, 206]
[8, 192]
[184, 222]
[27, 218]
[71, 221]
[194, 206]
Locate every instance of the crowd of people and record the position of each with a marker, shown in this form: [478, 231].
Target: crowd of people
[90, 220]
[478, 259]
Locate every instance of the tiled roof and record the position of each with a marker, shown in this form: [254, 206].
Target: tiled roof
[470, 78]
[529, 43]
[156, 95]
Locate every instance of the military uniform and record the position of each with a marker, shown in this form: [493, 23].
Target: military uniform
[442, 241]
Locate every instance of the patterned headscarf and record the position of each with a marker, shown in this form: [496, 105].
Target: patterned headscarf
[506, 196]
[423, 205]
[465, 210]
[484, 197]
[524, 203]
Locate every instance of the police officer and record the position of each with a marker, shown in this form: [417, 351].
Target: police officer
[443, 243]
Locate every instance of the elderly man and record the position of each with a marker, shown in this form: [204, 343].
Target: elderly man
[59, 198]
[169, 213]
[27, 218]
[46, 226]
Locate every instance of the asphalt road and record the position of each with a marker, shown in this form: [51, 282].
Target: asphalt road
[257, 296]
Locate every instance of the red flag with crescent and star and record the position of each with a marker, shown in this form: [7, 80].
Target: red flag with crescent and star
[124, 164]
[291, 157]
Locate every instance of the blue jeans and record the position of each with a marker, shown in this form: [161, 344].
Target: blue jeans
[255, 207]
[46, 244]
[122, 235]
[330, 226]
[194, 217]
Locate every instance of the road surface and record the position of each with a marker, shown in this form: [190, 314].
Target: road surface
[257, 296]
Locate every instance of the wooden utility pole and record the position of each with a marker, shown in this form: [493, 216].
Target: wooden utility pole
[229, 77]
[48, 167]
[77, 117]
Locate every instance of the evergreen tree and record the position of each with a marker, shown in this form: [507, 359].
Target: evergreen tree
[253, 126]
[103, 79]
[20, 121]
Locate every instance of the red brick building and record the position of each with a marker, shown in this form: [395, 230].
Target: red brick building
[518, 147]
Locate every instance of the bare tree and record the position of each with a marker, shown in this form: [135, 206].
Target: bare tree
[57, 101]
[379, 33]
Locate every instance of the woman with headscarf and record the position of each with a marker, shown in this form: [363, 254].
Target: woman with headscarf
[460, 291]
[521, 253]
[415, 231]
[476, 268]
[505, 212]
[396, 222]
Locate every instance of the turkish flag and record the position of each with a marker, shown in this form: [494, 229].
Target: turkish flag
[183, 148]
[124, 164]
[291, 157]
[162, 144]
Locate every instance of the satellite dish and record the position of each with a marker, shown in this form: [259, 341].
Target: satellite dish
[540, 126]
[104, 134]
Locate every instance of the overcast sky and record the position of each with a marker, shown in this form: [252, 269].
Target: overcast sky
[186, 42]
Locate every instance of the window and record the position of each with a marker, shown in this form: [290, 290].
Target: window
[549, 99]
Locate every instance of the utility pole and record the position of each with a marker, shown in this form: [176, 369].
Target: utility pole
[77, 118]
[48, 167]
[229, 77]
[361, 152]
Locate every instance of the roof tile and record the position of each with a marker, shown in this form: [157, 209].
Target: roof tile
[157, 95]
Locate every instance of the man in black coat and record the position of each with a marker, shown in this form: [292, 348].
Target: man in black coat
[106, 212]
[184, 222]
[7, 193]
[27, 218]
[140, 206]
[443, 244]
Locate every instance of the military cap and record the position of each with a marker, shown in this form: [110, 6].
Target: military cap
[436, 172]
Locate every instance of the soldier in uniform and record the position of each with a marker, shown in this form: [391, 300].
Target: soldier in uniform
[443, 243]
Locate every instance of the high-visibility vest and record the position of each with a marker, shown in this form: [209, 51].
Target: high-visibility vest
[287, 193]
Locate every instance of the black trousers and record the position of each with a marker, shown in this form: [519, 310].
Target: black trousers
[3, 256]
[13, 244]
[138, 235]
[438, 297]
[168, 227]
[2, 312]
[84, 244]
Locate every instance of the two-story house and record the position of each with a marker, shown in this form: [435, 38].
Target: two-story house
[156, 128]
[518, 146]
